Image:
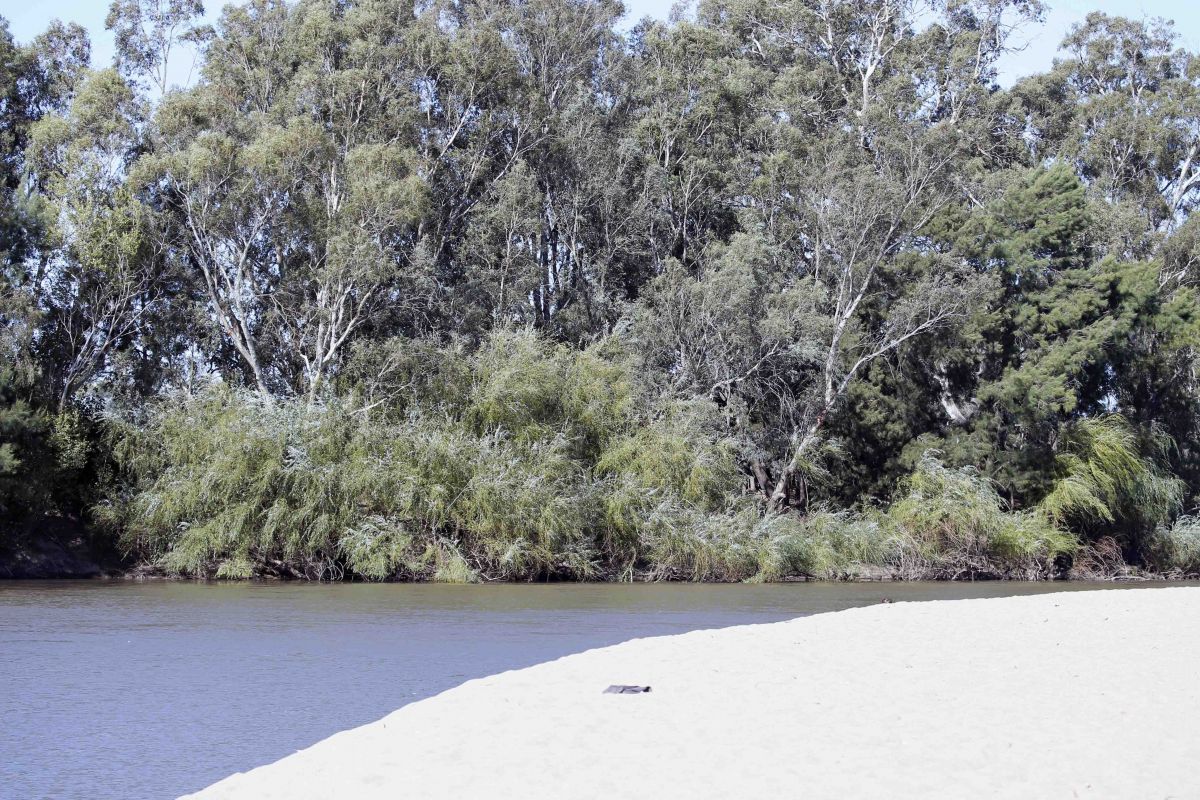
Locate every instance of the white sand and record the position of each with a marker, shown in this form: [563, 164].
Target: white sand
[1080, 694]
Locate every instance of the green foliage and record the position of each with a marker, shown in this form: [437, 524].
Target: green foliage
[513, 487]
[22, 441]
[826, 544]
[46, 459]
[956, 525]
[1106, 484]
[145, 32]
[522, 294]
[679, 453]
[1177, 548]
[529, 389]
[683, 546]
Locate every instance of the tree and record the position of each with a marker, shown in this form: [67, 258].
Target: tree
[1134, 135]
[299, 221]
[104, 278]
[1041, 352]
[577, 277]
[146, 31]
[853, 221]
[35, 80]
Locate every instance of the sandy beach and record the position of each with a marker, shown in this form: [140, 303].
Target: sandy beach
[1082, 694]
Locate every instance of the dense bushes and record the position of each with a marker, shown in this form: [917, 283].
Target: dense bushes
[954, 524]
[47, 464]
[23, 432]
[547, 468]
[1176, 550]
[1106, 487]
[548, 465]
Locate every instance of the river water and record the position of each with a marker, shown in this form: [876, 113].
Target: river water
[151, 690]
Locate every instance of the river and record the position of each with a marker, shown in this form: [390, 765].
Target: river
[117, 689]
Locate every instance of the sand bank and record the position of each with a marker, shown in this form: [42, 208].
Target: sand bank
[1081, 694]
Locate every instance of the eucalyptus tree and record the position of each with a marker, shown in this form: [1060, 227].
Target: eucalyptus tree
[103, 278]
[292, 174]
[471, 131]
[361, 198]
[566, 224]
[849, 126]
[692, 127]
[569, 51]
[1134, 100]
[148, 31]
[782, 325]
[956, 58]
[867, 272]
[227, 195]
[36, 79]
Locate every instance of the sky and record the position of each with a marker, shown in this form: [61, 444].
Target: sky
[27, 18]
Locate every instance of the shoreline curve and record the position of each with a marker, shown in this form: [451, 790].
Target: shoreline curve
[1074, 694]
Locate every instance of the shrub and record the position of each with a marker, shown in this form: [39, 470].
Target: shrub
[1107, 486]
[1177, 549]
[529, 512]
[226, 481]
[681, 453]
[554, 466]
[531, 389]
[953, 523]
[549, 469]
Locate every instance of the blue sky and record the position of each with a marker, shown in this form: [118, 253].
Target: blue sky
[27, 18]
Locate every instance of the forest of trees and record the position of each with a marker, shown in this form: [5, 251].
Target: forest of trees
[497, 289]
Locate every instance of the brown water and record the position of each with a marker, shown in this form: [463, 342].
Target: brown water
[151, 690]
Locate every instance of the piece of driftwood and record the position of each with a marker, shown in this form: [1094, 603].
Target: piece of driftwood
[620, 688]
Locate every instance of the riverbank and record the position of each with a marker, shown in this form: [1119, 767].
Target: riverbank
[1087, 694]
[76, 558]
[54, 546]
[56, 562]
